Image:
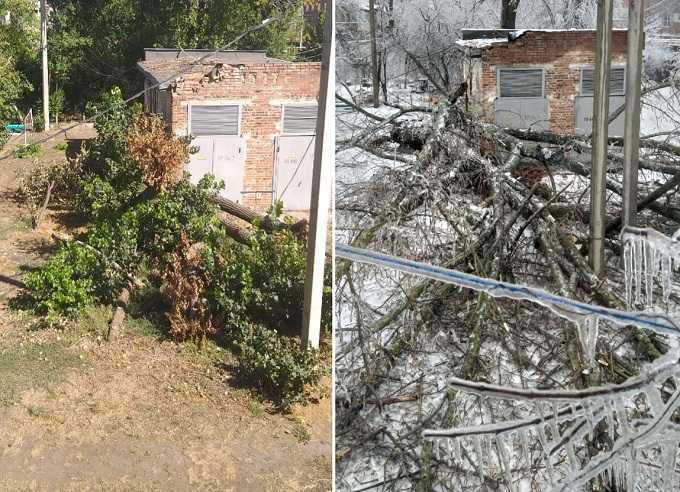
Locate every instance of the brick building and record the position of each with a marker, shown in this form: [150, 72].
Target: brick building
[540, 79]
[253, 119]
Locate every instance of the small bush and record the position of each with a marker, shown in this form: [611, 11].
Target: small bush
[64, 285]
[61, 146]
[38, 121]
[30, 150]
[4, 135]
[278, 363]
[33, 184]
[57, 100]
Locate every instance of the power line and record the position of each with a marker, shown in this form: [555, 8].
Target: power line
[188, 66]
[562, 306]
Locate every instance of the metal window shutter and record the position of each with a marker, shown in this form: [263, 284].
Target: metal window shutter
[617, 81]
[299, 119]
[214, 120]
[521, 83]
[617, 78]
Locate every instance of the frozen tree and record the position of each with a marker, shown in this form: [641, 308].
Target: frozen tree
[445, 386]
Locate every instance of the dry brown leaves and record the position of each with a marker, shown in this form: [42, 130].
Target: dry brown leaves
[183, 286]
[161, 155]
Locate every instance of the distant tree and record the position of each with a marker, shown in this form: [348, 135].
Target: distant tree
[509, 13]
[19, 41]
[95, 44]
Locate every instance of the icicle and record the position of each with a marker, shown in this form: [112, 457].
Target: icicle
[589, 418]
[588, 328]
[632, 469]
[611, 422]
[668, 455]
[667, 278]
[477, 441]
[505, 462]
[628, 272]
[622, 417]
[574, 463]
[524, 446]
[648, 259]
[546, 452]
[456, 450]
[653, 397]
[638, 247]
[619, 470]
[448, 454]
[555, 422]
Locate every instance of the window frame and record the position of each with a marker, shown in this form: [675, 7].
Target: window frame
[592, 67]
[517, 69]
[238, 104]
[298, 104]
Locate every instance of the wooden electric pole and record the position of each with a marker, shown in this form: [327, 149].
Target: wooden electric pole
[598, 197]
[45, 73]
[375, 71]
[631, 147]
[322, 185]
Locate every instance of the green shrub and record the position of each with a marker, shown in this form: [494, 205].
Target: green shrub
[65, 284]
[30, 150]
[262, 282]
[4, 135]
[57, 100]
[61, 146]
[281, 367]
[65, 174]
[38, 121]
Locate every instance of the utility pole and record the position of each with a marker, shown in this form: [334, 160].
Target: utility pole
[322, 185]
[374, 54]
[631, 148]
[45, 73]
[598, 197]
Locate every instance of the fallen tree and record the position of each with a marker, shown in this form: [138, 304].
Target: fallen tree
[502, 204]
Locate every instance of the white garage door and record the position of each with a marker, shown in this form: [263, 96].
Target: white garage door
[221, 148]
[295, 157]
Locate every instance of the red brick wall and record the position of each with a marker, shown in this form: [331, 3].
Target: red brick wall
[261, 89]
[561, 54]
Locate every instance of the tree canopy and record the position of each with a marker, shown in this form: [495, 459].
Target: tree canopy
[95, 44]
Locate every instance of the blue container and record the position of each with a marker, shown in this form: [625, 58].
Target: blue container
[15, 128]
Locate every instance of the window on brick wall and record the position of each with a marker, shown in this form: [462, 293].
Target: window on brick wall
[299, 118]
[214, 119]
[520, 82]
[617, 82]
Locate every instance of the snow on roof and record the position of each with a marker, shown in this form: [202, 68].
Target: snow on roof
[485, 38]
[480, 43]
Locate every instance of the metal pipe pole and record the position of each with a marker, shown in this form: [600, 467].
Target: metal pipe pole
[631, 148]
[605, 17]
[322, 185]
[45, 73]
[374, 55]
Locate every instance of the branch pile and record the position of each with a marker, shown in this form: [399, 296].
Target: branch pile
[500, 203]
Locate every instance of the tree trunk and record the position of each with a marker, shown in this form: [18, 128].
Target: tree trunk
[509, 13]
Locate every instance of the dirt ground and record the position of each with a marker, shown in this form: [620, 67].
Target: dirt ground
[140, 413]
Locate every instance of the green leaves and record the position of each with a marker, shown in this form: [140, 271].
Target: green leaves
[278, 363]
[64, 285]
[93, 44]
